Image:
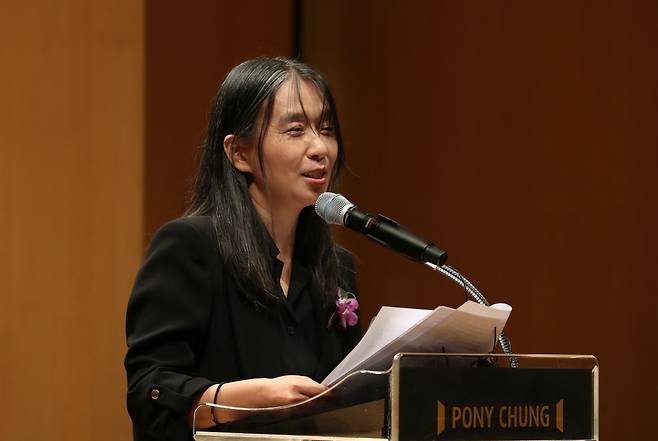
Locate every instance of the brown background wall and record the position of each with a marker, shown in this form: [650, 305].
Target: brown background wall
[520, 136]
[189, 51]
[523, 138]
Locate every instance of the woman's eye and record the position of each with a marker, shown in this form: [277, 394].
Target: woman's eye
[295, 131]
[327, 130]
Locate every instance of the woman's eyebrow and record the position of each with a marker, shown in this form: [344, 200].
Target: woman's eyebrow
[293, 116]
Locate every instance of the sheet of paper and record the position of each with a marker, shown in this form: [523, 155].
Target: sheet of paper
[470, 328]
[388, 324]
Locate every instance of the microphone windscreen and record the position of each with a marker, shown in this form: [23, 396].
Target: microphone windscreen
[331, 207]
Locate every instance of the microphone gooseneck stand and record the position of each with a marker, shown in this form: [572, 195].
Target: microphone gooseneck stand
[478, 297]
[335, 209]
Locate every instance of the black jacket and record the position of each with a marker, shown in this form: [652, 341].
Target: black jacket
[188, 327]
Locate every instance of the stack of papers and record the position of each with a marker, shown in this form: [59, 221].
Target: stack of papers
[471, 328]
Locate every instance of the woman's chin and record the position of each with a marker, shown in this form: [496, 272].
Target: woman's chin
[310, 199]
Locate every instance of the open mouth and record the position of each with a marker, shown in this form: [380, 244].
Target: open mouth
[315, 174]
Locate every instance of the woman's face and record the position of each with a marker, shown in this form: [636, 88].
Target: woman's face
[299, 151]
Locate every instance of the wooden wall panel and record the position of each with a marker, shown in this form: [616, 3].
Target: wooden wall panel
[521, 137]
[189, 51]
[104, 105]
[71, 150]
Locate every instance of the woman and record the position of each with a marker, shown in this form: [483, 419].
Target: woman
[234, 301]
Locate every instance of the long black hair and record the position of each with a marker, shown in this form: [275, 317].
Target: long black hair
[221, 191]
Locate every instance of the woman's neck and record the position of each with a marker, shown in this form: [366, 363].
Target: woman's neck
[281, 223]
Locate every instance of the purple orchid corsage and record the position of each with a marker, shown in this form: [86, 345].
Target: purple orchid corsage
[346, 304]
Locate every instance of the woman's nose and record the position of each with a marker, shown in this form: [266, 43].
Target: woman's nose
[319, 147]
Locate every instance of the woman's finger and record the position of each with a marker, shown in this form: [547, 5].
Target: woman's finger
[310, 388]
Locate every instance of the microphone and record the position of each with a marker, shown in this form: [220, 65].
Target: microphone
[335, 209]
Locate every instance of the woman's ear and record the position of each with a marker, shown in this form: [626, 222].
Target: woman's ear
[238, 153]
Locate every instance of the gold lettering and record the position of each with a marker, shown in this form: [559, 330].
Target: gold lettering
[511, 418]
[467, 417]
[545, 416]
[523, 416]
[501, 418]
[534, 416]
[478, 416]
[456, 415]
[489, 411]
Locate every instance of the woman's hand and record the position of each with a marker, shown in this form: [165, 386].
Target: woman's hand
[288, 389]
[254, 393]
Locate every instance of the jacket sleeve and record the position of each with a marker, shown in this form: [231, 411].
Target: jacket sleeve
[166, 323]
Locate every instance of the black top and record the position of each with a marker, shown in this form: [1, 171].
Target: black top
[188, 326]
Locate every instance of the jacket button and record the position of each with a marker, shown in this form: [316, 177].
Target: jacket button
[291, 330]
[155, 394]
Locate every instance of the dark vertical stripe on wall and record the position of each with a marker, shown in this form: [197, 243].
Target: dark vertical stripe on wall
[541, 148]
[297, 29]
[183, 71]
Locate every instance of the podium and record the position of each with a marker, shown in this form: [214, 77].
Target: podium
[439, 396]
